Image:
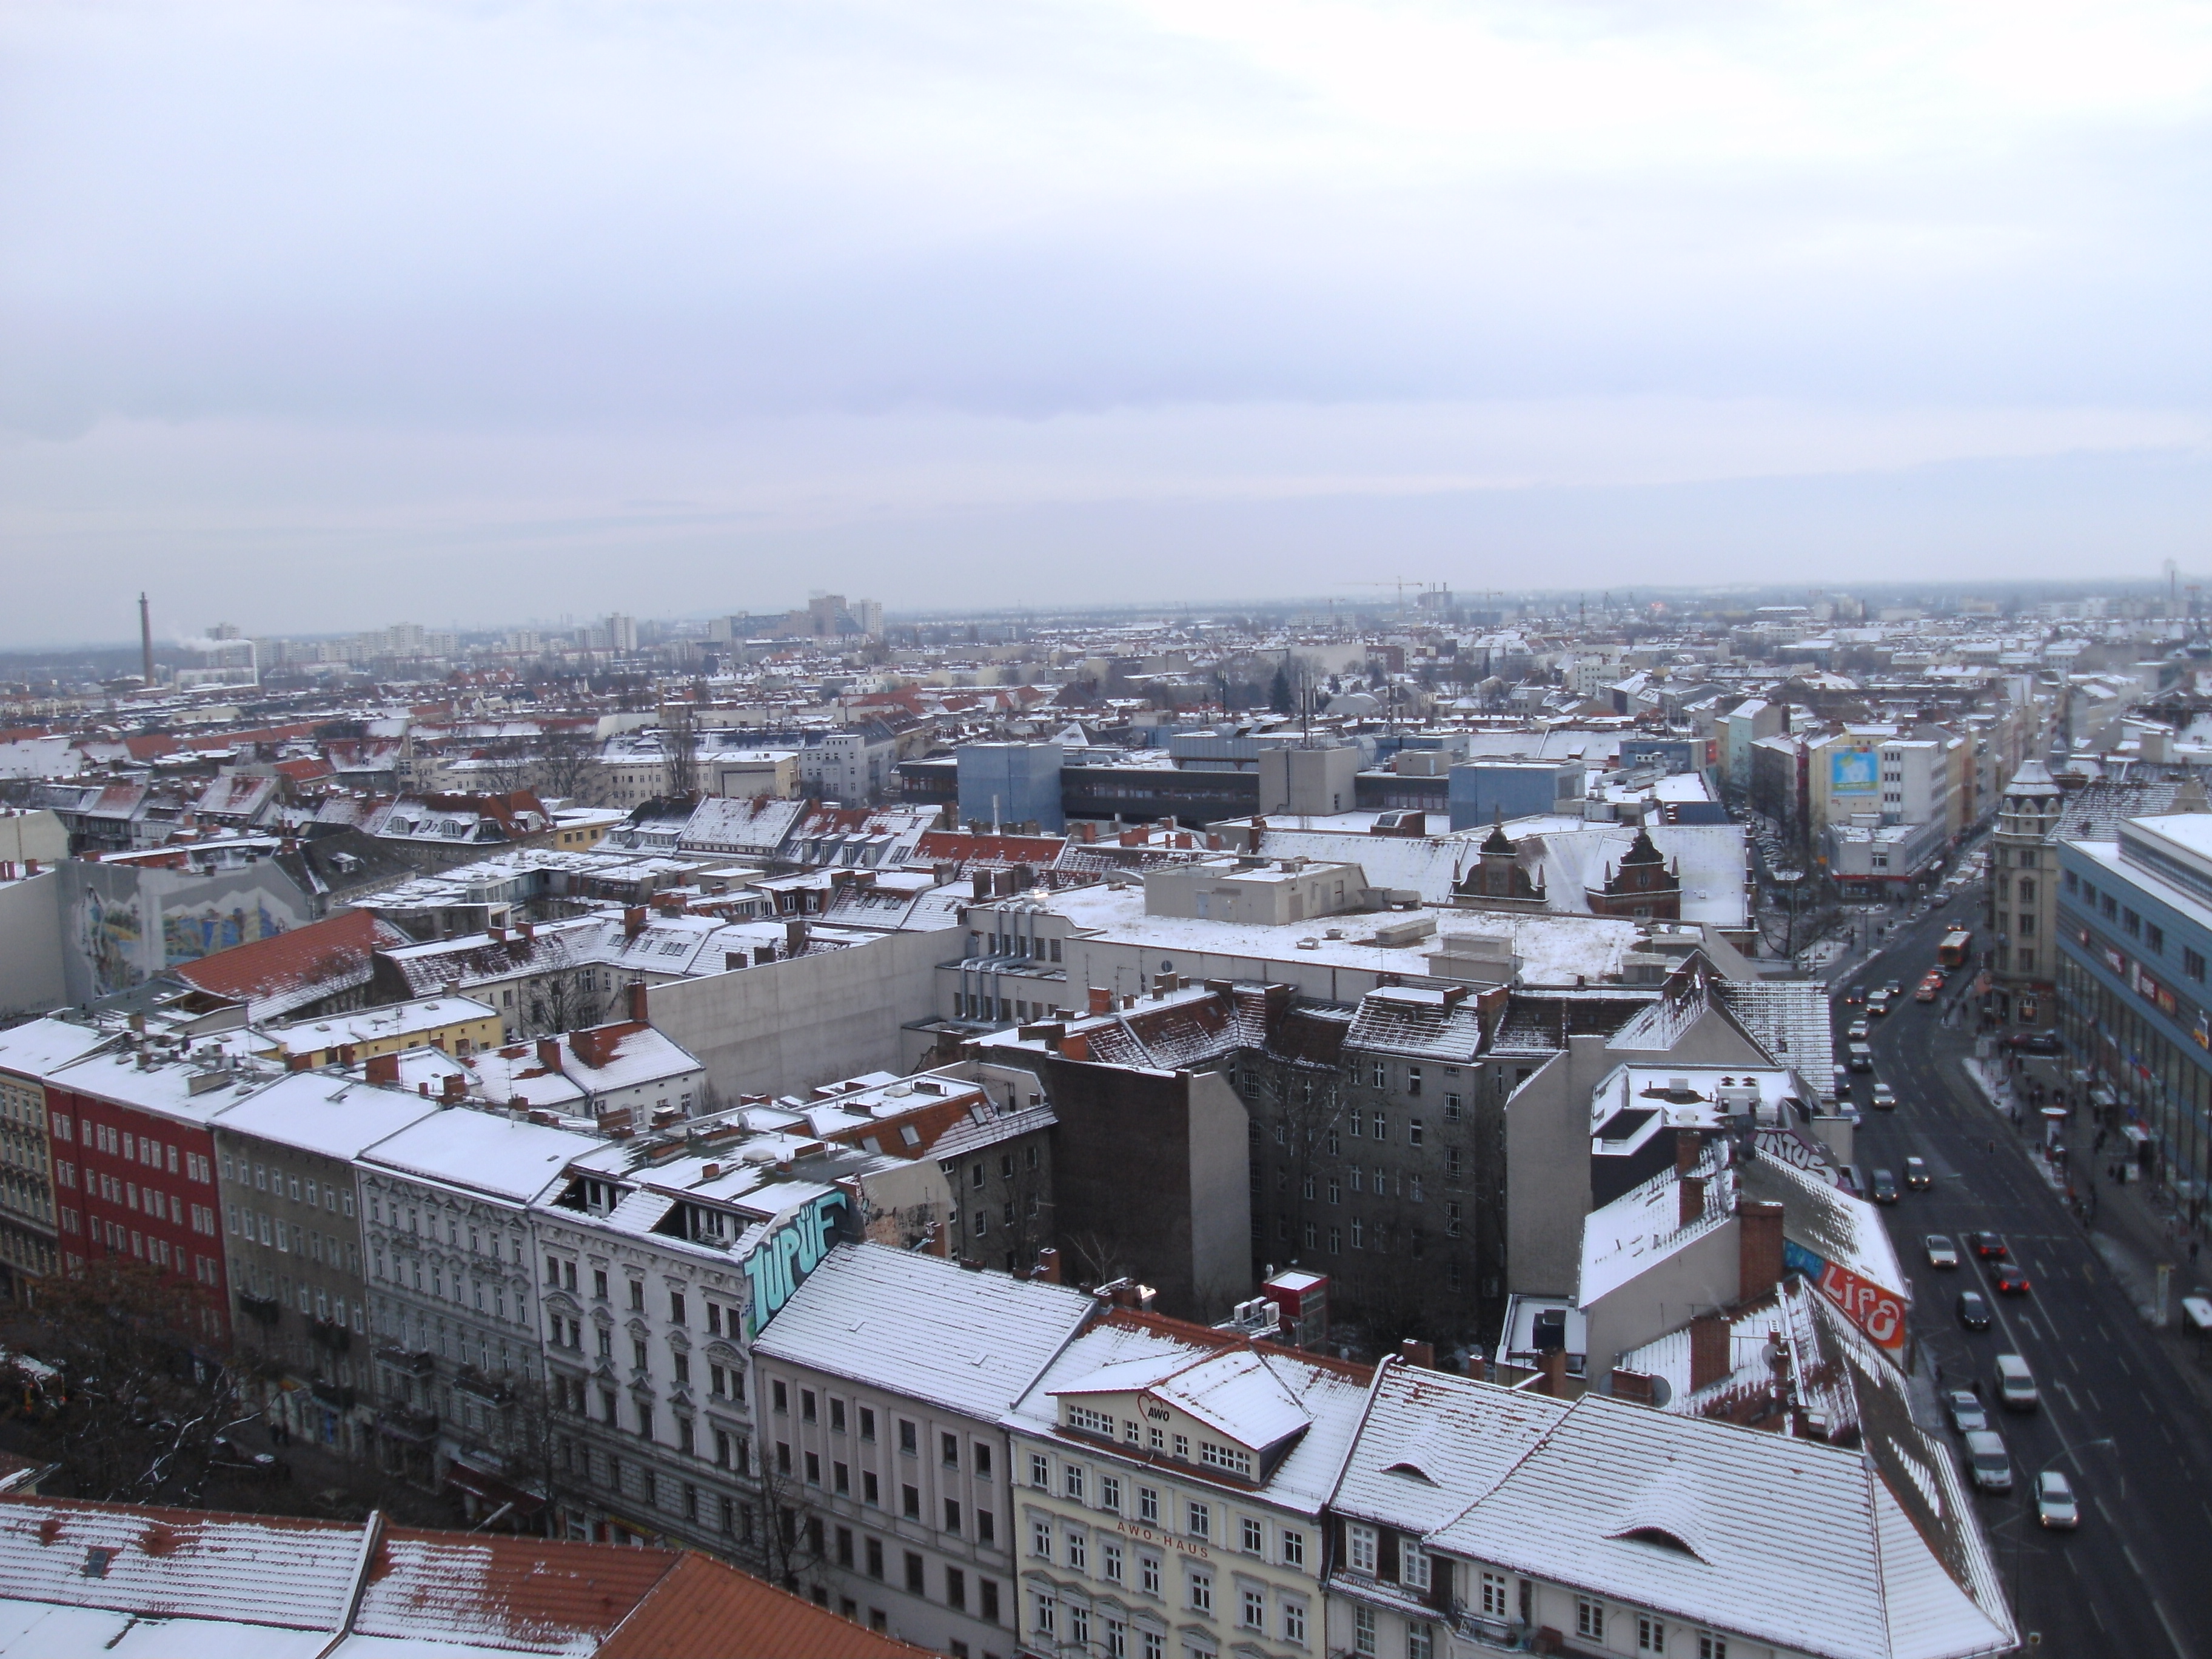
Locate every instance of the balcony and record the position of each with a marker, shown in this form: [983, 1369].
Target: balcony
[263, 1310]
[410, 1362]
[494, 1390]
[329, 1334]
[336, 1396]
[406, 1422]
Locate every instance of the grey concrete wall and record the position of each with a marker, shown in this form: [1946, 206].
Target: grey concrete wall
[31, 977]
[1701, 1276]
[789, 1025]
[1220, 1195]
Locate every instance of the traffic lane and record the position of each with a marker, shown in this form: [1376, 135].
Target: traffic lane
[2128, 1390]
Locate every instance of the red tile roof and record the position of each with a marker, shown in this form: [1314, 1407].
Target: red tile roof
[528, 1593]
[705, 1610]
[335, 953]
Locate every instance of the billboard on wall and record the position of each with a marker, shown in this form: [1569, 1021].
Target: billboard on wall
[1853, 772]
[1877, 1312]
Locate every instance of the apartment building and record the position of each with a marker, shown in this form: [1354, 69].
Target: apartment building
[30, 1219]
[297, 1256]
[895, 1477]
[451, 1267]
[1171, 1491]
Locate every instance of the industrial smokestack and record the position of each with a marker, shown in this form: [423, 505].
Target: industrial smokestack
[146, 639]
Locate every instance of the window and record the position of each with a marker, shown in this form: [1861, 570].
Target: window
[952, 1515]
[2192, 965]
[1198, 1519]
[867, 1419]
[1492, 1588]
[1110, 1492]
[1451, 1109]
[1412, 1565]
[1252, 1538]
[875, 1557]
[1041, 1540]
[1148, 1503]
[1359, 1547]
[1420, 1641]
[1382, 1076]
[1117, 1639]
[1148, 1574]
[1650, 1634]
[1070, 1477]
[1255, 1615]
[1079, 1558]
[1413, 1132]
[675, 1307]
[637, 1296]
[1362, 1629]
[989, 1600]
[1294, 1548]
[987, 1528]
[1413, 1079]
[911, 1502]
[1201, 1592]
[836, 1415]
[1589, 1618]
[1079, 1627]
[956, 1589]
[1109, 1561]
[1092, 1422]
[807, 1410]
[1182, 1447]
[2154, 935]
[1040, 1469]
[1711, 1646]
[917, 1582]
[909, 1437]
[1044, 1615]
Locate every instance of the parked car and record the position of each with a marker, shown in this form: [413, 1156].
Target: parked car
[1916, 1175]
[2054, 1502]
[1884, 1098]
[1987, 1458]
[2012, 1280]
[2031, 1042]
[1967, 1416]
[1942, 1252]
[1990, 1247]
[1973, 1311]
[2016, 1384]
[1884, 1188]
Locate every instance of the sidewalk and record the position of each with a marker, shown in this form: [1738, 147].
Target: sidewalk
[2126, 1229]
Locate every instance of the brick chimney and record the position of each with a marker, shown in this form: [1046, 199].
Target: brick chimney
[1048, 1266]
[1102, 999]
[637, 1001]
[633, 922]
[1758, 1248]
[452, 1087]
[548, 1052]
[794, 936]
[1688, 1143]
[1551, 1373]
[1416, 1352]
[347, 1054]
[383, 1068]
[1691, 1191]
[1708, 1350]
[1632, 1387]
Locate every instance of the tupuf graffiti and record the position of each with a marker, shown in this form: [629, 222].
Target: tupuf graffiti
[781, 1263]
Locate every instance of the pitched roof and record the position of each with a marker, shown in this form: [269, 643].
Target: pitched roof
[272, 976]
[532, 1595]
[705, 1610]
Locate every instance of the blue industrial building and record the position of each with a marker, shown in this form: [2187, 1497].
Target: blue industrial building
[1479, 790]
[1010, 783]
[2135, 934]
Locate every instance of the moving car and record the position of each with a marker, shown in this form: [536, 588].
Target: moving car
[2012, 1280]
[1859, 1030]
[1942, 1252]
[1854, 996]
[1859, 1057]
[1986, 1457]
[1878, 1004]
[2016, 1384]
[1926, 990]
[1885, 1098]
[1973, 1311]
[1891, 991]
[1967, 1416]
[1990, 1247]
[2031, 1042]
[1885, 1189]
[2054, 1502]
[1918, 1178]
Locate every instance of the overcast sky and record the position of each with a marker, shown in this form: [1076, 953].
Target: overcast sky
[326, 316]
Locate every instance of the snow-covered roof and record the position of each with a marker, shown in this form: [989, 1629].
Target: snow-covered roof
[324, 1112]
[965, 1341]
[480, 1152]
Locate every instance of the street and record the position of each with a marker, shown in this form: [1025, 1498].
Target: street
[2136, 1579]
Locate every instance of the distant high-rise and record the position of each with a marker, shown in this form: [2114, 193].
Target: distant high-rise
[622, 633]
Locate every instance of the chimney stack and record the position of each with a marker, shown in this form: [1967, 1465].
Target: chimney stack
[548, 1052]
[1102, 999]
[1708, 1350]
[794, 936]
[383, 1068]
[1691, 1191]
[637, 1001]
[1759, 1248]
[146, 639]
[1048, 1266]
[1688, 1146]
[1551, 1373]
[1416, 1352]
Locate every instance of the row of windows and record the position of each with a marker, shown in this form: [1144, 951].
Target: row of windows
[2151, 936]
[1196, 1518]
[268, 1179]
[134, 1149]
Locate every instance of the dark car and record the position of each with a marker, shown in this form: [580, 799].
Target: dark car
[1894, 989]
[2012, 1281]
[1973, 1311]
[2031, 1042]
[1855, 997]
[1884, 1188]
[1990, 1247]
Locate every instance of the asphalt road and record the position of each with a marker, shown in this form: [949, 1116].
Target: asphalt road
[2136, 1579]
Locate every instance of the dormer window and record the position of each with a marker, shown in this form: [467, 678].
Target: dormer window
[1359, 1548]
[1233, 1458]
[1090, 1421]
[1412, 1565]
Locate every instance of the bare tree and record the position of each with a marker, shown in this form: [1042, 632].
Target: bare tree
[682, 742]
[570, 765]
[566, 1001]
[792, 1542]
[146, 1399]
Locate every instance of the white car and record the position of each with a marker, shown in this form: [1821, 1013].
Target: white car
[1885, 1098]
[1942, 1252]
[2054, 1502]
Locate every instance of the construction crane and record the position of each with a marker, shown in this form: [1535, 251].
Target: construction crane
[1428, 595]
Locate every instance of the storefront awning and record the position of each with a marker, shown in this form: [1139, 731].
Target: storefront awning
[491, 1489]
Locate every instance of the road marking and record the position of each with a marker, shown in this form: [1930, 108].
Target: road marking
[2123, 1364]
[2094, 1400]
